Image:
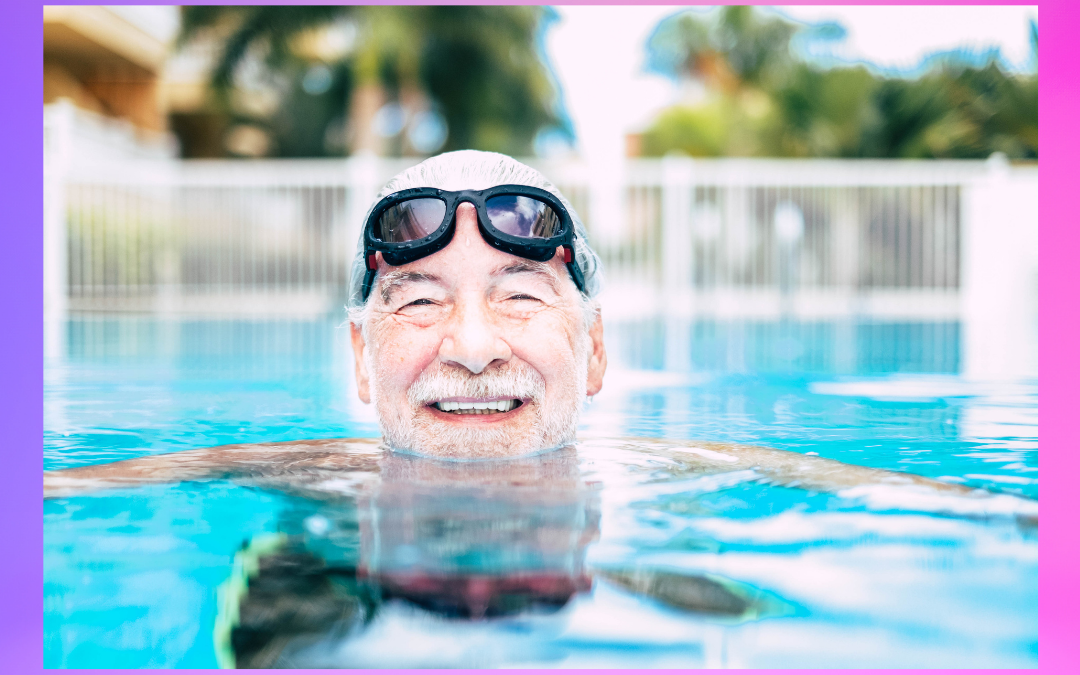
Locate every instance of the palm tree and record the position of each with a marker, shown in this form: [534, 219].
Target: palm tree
[763, 101]
[477, 72]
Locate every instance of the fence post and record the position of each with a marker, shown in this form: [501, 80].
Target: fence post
[677, 259]
[677, 255]
[606, 189]
[845, 241]
[788, 229]
[999, 272]
[59, 120]
[166, 277]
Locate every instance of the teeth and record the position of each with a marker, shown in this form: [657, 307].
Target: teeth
[480, 408]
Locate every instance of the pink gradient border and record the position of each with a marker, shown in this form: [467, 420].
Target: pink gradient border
[21, 271]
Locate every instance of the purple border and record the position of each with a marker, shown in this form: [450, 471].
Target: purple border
[21, 618]
[21, 615]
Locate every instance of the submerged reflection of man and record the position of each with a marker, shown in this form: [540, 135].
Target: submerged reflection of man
[461, 540]
[465, 540]
[479, 539]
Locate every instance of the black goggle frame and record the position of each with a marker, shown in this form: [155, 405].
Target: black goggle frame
[401, 253]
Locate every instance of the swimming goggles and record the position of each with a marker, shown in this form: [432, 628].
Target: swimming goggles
[521, 220]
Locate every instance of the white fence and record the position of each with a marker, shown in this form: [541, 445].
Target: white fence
[744, 236]
[208, 236]
[142, 231]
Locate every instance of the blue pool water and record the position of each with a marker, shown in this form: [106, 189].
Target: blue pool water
[137, 577]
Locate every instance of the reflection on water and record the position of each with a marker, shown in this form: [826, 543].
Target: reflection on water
[476, 540]
[440, 544]
[607, 558]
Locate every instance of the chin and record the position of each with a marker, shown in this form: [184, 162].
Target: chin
[432, 435]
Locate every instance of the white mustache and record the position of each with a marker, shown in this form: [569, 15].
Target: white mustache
[519, 381]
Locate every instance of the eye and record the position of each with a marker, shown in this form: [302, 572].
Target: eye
[522, 296]
[417, 305]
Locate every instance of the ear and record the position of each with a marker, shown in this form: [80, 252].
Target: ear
[597, 358]
[363, 379]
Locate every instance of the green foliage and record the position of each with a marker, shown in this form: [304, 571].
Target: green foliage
[479, 66]
[244, 26]
[759, 101]
[754, 47]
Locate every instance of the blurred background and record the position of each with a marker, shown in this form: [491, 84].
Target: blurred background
[839, 190]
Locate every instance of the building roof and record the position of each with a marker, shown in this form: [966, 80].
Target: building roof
[126, 38]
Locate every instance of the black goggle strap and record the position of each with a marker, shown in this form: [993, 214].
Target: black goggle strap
[371, 263]
[572, 267]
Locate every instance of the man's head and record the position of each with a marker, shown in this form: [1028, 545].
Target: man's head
[471, 351]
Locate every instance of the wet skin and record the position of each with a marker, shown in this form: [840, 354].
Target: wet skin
[333, 469]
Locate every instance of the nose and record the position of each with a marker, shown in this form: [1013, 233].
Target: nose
[472, 340]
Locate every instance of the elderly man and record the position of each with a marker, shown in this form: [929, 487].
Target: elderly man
[477, 335]
[474, 320]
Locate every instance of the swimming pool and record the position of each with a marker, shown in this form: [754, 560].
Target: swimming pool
[659, 565]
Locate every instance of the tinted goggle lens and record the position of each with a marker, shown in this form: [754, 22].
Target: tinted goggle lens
[410, 220]
[515, 215]
[521, 216]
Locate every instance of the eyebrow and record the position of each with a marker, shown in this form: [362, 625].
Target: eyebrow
[394, 279]
[530, 267]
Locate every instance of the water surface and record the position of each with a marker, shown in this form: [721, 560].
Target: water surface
[602, 568]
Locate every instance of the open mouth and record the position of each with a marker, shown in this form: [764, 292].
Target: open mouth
[477, 407]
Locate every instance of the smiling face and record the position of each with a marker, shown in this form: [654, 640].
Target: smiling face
[473, 352]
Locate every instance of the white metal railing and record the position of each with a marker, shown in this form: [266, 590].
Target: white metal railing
[141, 230]
[739, 223]
[191, 235]
[215, 235]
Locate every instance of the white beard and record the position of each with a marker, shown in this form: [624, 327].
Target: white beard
[554, 422]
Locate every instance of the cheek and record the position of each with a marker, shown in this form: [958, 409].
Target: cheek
[400, 357]
[550, 350]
